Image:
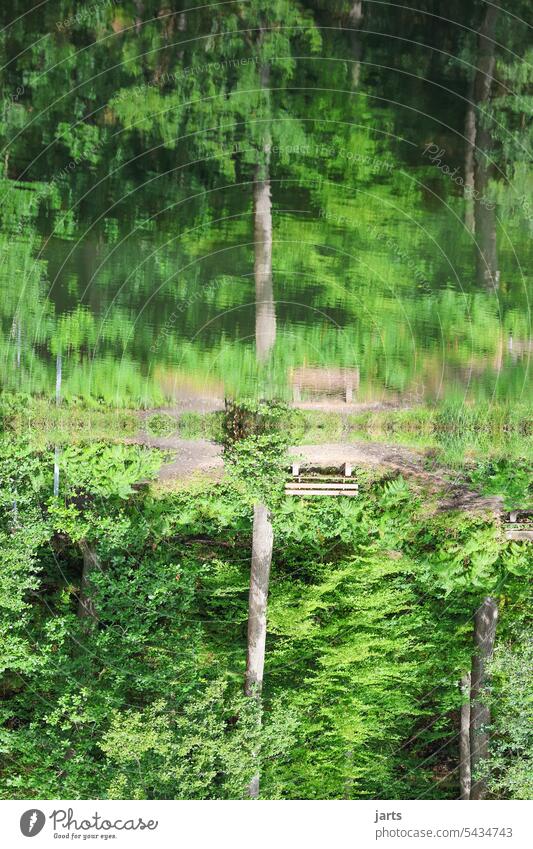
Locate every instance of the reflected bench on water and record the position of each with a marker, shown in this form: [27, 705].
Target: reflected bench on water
[329, 382]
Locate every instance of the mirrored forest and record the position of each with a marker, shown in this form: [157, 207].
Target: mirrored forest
[266, 419]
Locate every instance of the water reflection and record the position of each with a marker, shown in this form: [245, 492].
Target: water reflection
[265, 312]
[334, 280]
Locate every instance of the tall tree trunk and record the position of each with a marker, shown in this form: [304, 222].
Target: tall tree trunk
[139, 8]
[262, 542]
[465, 775]
[485, 220]
[167, 31]
[91, 561]
[488, 271]
[19, 340]
[265, 313]
[470, 147]
[355, 20]
[59, 376]
[484, 636]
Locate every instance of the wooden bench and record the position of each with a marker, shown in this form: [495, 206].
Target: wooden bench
[329, 381]
[310, 485]
[518, 525]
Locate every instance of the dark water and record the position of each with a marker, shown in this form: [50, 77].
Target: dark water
[140, 285]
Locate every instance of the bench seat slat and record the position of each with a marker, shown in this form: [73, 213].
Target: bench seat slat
[303, 493]
[299, 485]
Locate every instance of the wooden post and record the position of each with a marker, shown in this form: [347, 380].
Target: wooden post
[484, 636]
[262, 543]
[465, 774]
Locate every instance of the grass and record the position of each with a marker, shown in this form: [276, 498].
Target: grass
[491, 443]
[46, 423]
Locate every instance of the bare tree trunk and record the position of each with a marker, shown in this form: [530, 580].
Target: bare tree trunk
[262, 543]
[484, 636]
[59, 379]
[139, 7]
[265, 314]
[91, 561]
[488, 271]
[470, 147]
[59, 376]
[487, 257]
[19, 341]
[355, 19]
[465, 775]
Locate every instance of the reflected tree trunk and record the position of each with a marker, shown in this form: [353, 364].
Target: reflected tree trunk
[355, 20]
[265, 313]
[484, 637]
[59, 377]
[16, 334]
[465, 776]
[470, 147]
[488, 272]
[91, 562]
[139, 9]
[262, 542]
[485, 218]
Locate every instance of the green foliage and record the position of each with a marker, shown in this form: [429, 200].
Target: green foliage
[511, 758]
[369, 629]
[106, 470]
[510, 478]
[256, 438]
[147, 302]
[251, 417]
[161, 424]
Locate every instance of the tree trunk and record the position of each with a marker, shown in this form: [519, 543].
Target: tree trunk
[355, 19]
[59, 376]
[265, 314]
[484, 636]
[139, 8]
[19, 341]
[262, 543]
[488, 272]
[91, 561]
[485, 220]
[465, 776]
[470, 147]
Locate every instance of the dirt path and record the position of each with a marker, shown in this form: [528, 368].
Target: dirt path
[197, 404]
[189, 455]
[406, 461]
[350, 407]
[200, 455]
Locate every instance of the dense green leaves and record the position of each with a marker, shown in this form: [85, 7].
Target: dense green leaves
[369, 629]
